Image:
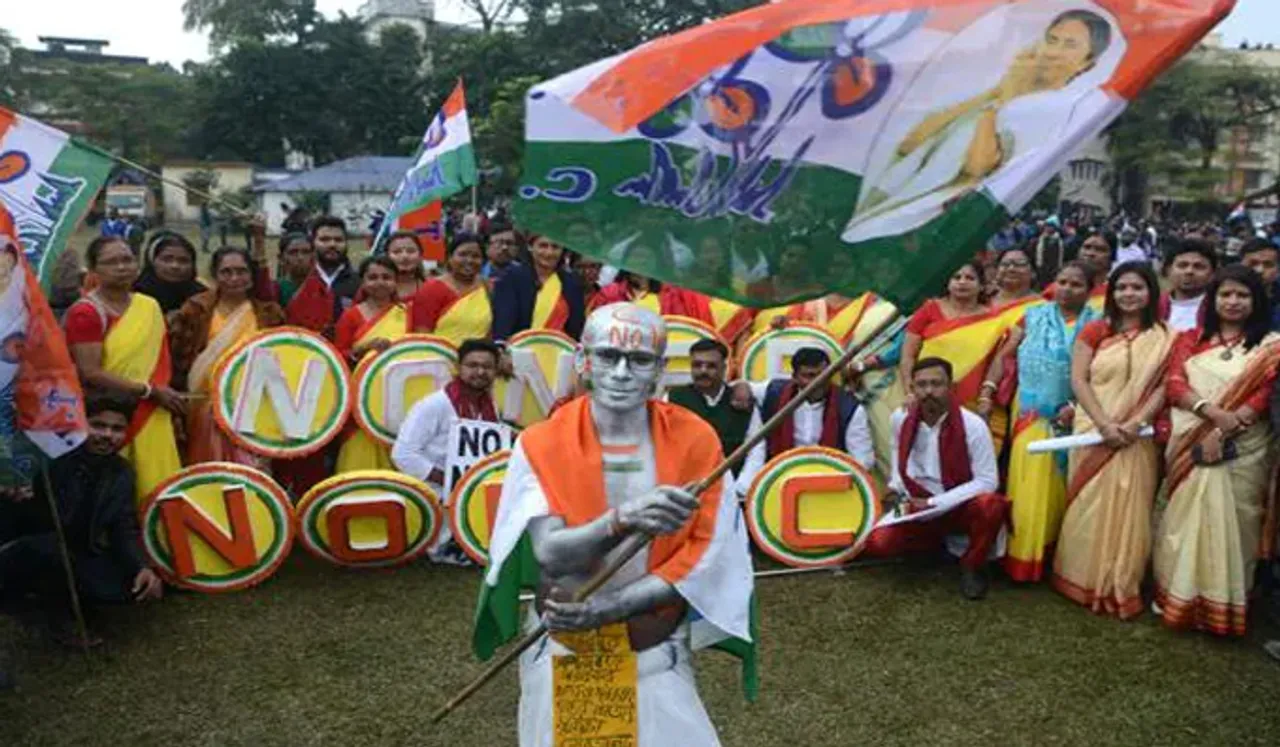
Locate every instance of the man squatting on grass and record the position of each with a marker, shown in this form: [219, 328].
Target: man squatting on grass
[94, 491]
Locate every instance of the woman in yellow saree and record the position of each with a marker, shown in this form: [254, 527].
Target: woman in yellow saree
[1221, 460]
[204, 331]
[1040, 347]
[1117, 374]
[456, 305]
[365, 329]
[118, 341]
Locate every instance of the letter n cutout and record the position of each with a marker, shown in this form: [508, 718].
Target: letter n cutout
[183, 518]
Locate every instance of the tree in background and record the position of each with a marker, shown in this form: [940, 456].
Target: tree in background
[229, 21]
[1181, 132]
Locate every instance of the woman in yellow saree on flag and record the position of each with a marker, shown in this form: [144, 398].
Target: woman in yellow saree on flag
[208, 327]
[368, 328]
[118, 341]
[456, 305]
[1041, 345]
[1118, 376]
[1221, 461]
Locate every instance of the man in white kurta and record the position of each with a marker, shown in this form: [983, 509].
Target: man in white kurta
[943, 480]
[602, 468]
[421, 449]
[849, 431]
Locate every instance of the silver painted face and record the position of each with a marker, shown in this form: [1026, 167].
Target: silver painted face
[622, 355]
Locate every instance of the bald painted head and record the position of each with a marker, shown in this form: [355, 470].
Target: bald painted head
[622, 355]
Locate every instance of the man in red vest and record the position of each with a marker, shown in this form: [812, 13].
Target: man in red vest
[943, 481]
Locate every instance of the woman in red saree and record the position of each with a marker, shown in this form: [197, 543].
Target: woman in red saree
[1221, 460]
[208, 327]
[960, 328]
[660, 298]
[456, 305]
[1118, 376]
[118, 341]
[368, 328]
[405, 251]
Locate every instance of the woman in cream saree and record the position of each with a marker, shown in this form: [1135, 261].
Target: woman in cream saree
[1117, 373]
[205, 330]
[1221, 461]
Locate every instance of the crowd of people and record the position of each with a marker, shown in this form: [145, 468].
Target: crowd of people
[1054, 330]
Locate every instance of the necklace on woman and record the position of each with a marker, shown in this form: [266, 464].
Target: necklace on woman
[1229, 353]
[112, 309]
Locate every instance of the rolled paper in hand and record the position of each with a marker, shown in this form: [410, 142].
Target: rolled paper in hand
[1067, 443]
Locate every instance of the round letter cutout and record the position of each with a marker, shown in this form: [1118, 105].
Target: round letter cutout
[767, 356]
[283, 393]
[391, 382]
[811, 507]
[543, 363]
[369, 519]
[473, 505]
[217, 527]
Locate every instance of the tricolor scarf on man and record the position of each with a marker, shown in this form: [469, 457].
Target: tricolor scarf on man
[707, 561]
[445, 165]
[41, 404]
[845, 145]
[47, 182]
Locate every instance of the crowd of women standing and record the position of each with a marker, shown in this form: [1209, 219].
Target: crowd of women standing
[1194, 502]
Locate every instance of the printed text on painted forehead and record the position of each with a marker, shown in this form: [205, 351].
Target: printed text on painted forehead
[626, 326]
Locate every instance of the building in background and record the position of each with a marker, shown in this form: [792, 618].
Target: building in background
[181, 206]
[1085, 193]
[354, 190]
[378, 15]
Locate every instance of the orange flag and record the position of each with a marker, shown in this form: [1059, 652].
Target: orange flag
[40, 391]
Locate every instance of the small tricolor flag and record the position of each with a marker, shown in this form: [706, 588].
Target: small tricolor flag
[47, 183]
[799, 148]
[41, 404]
[445, 165]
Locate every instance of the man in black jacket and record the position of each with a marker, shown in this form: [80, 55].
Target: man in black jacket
[94, 492]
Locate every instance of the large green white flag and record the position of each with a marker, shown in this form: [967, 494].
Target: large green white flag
[801, 147]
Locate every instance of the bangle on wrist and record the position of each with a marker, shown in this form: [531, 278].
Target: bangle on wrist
[1199, 407]
[147, 391]
[989, 386]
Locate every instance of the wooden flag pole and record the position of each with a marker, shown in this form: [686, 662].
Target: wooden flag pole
[636, 542]
[82, 628]
[173, 183]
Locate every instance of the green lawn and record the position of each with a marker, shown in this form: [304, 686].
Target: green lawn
[881, 656]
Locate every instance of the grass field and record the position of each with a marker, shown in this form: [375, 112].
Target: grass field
[880, 656]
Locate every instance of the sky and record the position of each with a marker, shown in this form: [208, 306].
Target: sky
[153, 28]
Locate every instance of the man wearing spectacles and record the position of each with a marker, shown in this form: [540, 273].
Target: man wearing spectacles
[829, 417]
[502, 250]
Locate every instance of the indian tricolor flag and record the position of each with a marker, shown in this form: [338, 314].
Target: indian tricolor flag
[47, 182]
[445, 165]
[41, 405]
[707, 562]
[799, 147]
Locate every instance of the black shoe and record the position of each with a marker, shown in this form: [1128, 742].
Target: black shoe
[973, 584]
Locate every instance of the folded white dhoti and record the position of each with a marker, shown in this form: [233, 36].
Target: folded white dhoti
[669, 710]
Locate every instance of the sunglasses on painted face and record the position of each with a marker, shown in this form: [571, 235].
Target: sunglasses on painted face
[639, 361]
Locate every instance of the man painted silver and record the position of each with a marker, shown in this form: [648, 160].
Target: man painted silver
[621, 359]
